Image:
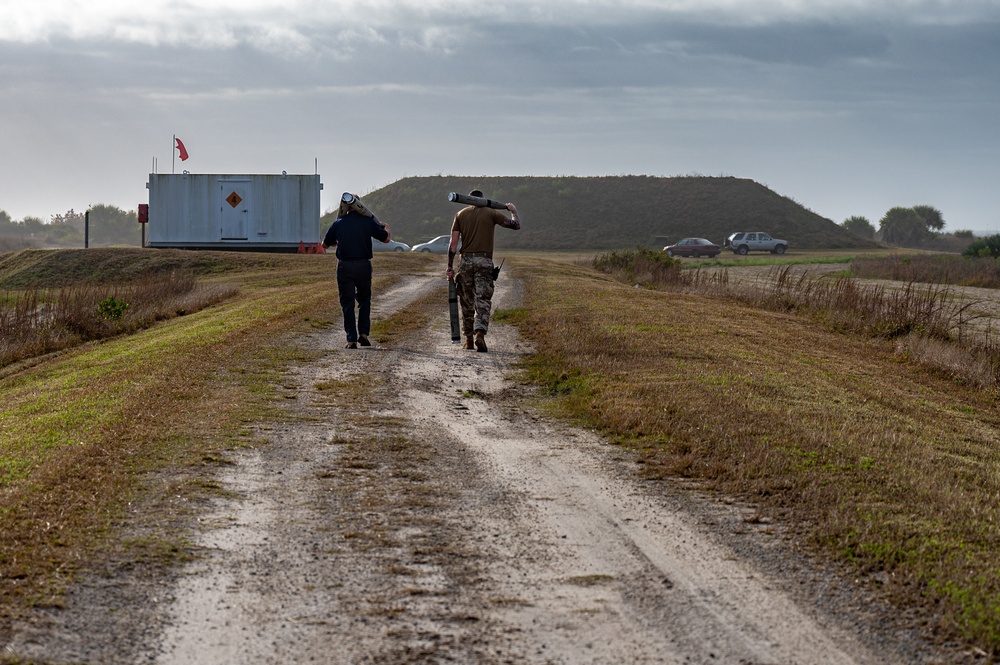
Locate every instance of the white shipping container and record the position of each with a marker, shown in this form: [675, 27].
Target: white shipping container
[247, 212]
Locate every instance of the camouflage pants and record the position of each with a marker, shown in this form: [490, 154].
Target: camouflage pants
[474, 284]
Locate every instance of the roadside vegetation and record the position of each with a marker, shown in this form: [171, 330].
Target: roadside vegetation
[802, 401]
[36, 321]
[898, 264]
[981, 271]
[926, 321]
[729, 260]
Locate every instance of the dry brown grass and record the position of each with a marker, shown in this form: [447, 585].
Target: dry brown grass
[931, 269]
[925, 311]
[883, 464]
[932, 322]
[37, 321]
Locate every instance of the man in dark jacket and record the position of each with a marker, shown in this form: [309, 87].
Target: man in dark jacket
[352, 234]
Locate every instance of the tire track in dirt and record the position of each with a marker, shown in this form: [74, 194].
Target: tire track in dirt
[605, 572]
[280, 585]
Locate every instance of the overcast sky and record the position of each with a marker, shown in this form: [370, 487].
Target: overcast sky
[850, 107]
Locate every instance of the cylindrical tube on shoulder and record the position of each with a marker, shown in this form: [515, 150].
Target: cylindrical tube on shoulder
[477, 201]
[351, 202]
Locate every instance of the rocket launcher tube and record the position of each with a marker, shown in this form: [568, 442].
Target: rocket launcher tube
[463, 199]
[350, 202]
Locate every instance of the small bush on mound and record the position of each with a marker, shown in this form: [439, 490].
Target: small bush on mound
[112, 308]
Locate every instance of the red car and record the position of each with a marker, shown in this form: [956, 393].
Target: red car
[693, 247]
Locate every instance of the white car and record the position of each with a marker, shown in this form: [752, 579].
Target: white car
[391, 246]
[438, 245]
[742, 242]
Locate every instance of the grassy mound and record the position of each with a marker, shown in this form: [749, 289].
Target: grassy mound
[612, 212]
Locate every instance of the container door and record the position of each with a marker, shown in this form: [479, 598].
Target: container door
[235, 209]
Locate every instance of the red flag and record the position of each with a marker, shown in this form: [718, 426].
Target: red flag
[182, 150]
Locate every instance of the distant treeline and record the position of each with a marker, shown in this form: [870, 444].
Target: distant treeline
[109, 225]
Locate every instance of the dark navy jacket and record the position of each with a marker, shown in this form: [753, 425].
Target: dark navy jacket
[352, 234]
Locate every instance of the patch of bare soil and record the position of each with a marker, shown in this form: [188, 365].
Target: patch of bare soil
[418, 509]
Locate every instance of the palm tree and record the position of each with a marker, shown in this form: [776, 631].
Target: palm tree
[859, 226]
[903, 227]
[931, 216]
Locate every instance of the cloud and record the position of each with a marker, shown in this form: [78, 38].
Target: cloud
[215, 24]
[809, 93]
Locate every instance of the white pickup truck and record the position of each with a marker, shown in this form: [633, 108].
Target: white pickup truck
[742, 242]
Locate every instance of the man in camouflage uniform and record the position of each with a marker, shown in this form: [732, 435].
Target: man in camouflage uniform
[474, 282]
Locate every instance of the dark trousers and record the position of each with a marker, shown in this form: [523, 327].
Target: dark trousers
[354, 282]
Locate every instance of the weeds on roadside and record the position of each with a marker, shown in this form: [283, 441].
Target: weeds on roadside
[914, 315]
[931, 269]
[642, 266]
[650, 269]
[37, 321]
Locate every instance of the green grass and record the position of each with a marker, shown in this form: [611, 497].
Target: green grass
[799, 257]
[516, 315]
[788, 259]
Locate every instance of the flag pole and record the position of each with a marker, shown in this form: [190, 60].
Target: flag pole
[173, 157]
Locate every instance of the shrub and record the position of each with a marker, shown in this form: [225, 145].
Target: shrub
[989, 246]
[11, 244]
[111, 308]
[643, 267]
[860, 226]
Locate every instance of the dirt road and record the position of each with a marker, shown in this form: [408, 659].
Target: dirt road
[446, 520]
